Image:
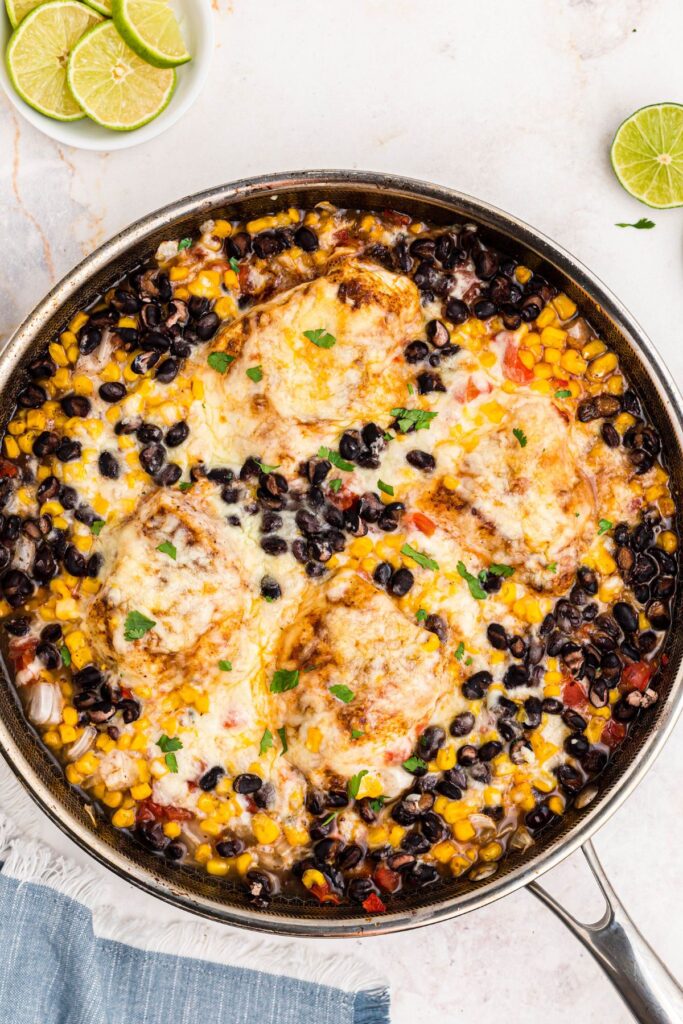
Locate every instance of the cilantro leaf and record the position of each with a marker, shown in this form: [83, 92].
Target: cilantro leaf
[266, 742]
[282, 733]
[640, 224]
[184, 243]
[563, 393]
[234, 264]
[284, 679]
[342, 693]
[459, 651]
[96, 527]
[551, 566]
[321, 337]
[335, 485]
[498, 569]
[265, 468]
[411, 389]
[168, 549]
[329, 818]
[603, 526]
[476, 589]
[136, 625]
[66, 655]
[414, 764]
[385, 488]
[255, 373]
[185, 485]
[521, 436]
[377, 804]
[423, 560]
[357, 733]
[167, 744]
[336, 459]
[354, 782]
[171, 763]
[220, 361]
[421, 615]
[225, 666]
[406, 419]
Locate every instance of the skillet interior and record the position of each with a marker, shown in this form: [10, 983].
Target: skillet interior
[189, 887]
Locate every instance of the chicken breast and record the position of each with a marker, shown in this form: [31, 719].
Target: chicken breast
[520, 496]
[350, 635]
[283, 395]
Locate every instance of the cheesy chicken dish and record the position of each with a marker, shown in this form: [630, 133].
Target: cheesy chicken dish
[336, 554]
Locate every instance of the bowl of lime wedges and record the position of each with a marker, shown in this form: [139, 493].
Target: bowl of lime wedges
[104, 74]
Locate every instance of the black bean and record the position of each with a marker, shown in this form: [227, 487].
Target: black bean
[144, 362]
[382, 574]
[449, 789]
[658, 614]
[610, 435]
[152, 458]
[438, 333]
[647, 641]
[515, 675]
[108, 465]
[17, 587]
[462, 724]
[370, 507]
[489, 750]
[486, 264]
[475, 686]
[95, 563]
[306, 239]
[274, 545]
[230, 847]
[626, 616]
[358, 889]
[539, 818]
[46, 443]
[167, 371]
[467, 755]
[436, 624]
[569, 778]
[350, 444]
[484, 309]
[74, 561]
[423, 875]
[430, 741]
[178, 433]
[270, 588]
[32, 397]
[247, 783]
[75, 405]
[68, 450]
[416, 352]
[456, 311]
[169, 475]
[89, 339]
[517, 647]
[401, 582]
[421, 460]
[207, 325]
[497, 636]
[576, 744]
[429, 382]
[112, 391]
[44, 566]
[239, 245]
[18, 626]
[41, 368]
[415, 843]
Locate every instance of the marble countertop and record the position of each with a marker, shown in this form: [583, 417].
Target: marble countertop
[516, 104]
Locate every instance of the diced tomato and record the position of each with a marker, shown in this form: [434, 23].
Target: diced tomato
[172, 813]
[322, 893]
[393, 217]
[573, 694]
[342, 237]
[373, 904]
[513, 367]
[636, 676]
[421, 522]
[387, 879]
[613, 733]
[243, 277]
[148, 810]
[343, 499]
[7, 468]
[472, 391]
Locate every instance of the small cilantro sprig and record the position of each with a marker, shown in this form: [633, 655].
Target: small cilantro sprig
[499, 569]
[603, 526]
[521, 436]
[417, 419]
[417, 556]
[65, 655]
[266, 742]
[136, 625]
[284, 679]
[184, 243]
[220, 361]
[459, 651]
[563, 393]
[166, 548]
[234, 264]
[353, 786]
[335, 485]
[265, 468]
[643, 224]
[342, 693]
[282, 733]
[96, 527]
[476, 589]
[255, 373]
[225, 665]
[356, 734]
[168, 745]
[414, 764]
[321, 337]
[336, 459]
[385, 488]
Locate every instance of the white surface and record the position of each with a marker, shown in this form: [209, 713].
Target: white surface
[196, 22]
[515, 103]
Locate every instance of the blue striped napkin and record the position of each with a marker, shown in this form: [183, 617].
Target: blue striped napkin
[66, 957]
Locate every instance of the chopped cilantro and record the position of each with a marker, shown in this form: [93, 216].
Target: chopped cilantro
[563, 393]
[136, 625]
[421, 615]
[336, 459]
[468, 661]
[551, 566]
[414, 764]
[354, 782]
[171, 762]
[234, 264]
[643, 223]
[335, 485]
[418, 419]
[417, 556]
[66, 655]
[168, 745]
[603, 526]
[320, 337]
[282, 733]
[255, 373]
[225, 666]
[284, 679]
[356, 734]
[185, 485]
[96, 527]
[385, 488]
[220, 361]
[330, 818]
[266, 469]
[498, 569]
[459, 651]
[168, 549]
[411, 389]
[266, 742]
[476, 589]
[342, 693]
[521, 436]
[184, 243]
[377, 804]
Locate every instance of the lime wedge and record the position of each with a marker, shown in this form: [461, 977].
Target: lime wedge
[151, 29]
[37, 56]
[112, 84]
[18, 9]
[103, 6]
[647, 155]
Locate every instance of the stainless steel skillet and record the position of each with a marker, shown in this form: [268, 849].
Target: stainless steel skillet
[641, 978]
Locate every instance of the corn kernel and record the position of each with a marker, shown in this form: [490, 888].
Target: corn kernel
[432, 644]
[243, 863]
[522, 274]
[58, 354]
[179, 273]
[312, 877]
[87, 765]
[602, 366]
[265, 829]
[556, 804]
[543, 371]
[141, 791]
[463, 831]
[112, 799]
[52, 738]
[445, 758]
[553, 337]
[361, 547]
[211, 827]
[564, 306]
[296, 836]
[313, 739]
[450, 483]
[444, 851]
[123, 818]
[492, 851]
[11, 447]
[572, 362]
[668, 542]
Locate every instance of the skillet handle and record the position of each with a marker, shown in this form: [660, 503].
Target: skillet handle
[651, 993]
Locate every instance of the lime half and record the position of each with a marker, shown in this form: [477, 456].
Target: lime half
[151, 29]
[647, 155]
[18, 9]
[38, 52]
[112, 84]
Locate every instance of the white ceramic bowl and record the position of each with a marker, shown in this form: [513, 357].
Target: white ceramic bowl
[196, 22]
